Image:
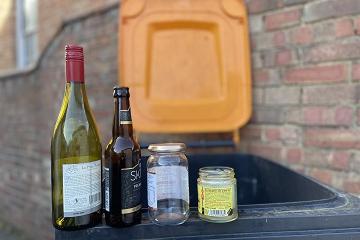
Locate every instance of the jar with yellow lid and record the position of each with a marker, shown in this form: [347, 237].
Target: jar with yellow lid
[217, 194]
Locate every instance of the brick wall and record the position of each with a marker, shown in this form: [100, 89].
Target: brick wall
[29, 104]
[306, 86]
[51, 14]
[306, 74]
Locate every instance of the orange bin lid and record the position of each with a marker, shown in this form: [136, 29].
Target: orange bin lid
[187, 64]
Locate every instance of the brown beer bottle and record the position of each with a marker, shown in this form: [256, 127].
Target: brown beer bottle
[122, 167]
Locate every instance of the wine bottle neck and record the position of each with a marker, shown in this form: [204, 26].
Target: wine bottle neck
[75, 94]
[76, 89]
[122, 125]
[74, 71]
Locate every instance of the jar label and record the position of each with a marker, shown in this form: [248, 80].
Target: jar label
[167, 182]
[215, 201]
[151, 187]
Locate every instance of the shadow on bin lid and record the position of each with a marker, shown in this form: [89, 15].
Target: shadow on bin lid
[187, 64]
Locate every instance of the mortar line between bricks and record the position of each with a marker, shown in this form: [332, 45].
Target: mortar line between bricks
[324, 84]
[281, 9]
[329, 19]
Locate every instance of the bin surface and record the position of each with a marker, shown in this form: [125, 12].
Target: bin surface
[274, 203]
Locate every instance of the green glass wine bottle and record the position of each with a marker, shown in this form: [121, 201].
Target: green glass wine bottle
[75, 153]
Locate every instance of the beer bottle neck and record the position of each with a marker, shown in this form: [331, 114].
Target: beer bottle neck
[122, 125]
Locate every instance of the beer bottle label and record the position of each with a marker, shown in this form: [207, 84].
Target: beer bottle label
[130, 189]
[125, 116]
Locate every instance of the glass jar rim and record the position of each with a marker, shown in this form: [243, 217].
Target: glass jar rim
[167, 147]
[216, 172]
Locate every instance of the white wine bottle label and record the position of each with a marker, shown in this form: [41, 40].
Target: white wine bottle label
[131, 189]
[81, 188]
[168, 182]
[106, 190]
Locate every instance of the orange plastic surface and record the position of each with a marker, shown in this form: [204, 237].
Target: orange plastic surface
[187, 64]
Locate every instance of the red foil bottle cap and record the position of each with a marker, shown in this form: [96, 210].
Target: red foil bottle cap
[74, 63]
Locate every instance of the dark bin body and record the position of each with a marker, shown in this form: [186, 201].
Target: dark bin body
[274, 203]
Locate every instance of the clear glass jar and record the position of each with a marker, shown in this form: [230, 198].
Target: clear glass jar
[168, 184]
[217, 194]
